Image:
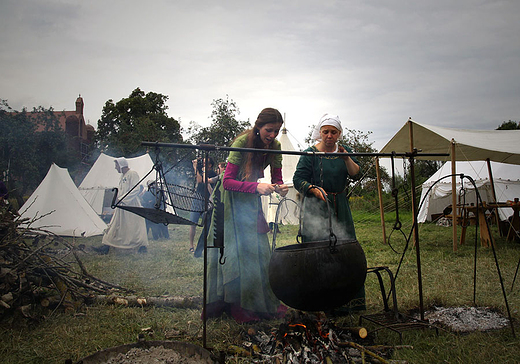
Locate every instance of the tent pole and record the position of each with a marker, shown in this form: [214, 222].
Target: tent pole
[494, 194]
[454, 210]
[380, 193]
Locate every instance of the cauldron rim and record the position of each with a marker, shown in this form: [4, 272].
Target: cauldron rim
[319, 244]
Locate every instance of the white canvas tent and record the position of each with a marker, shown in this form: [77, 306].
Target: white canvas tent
[97, 185]
[289, 212]
[506, 179]
[62, 208]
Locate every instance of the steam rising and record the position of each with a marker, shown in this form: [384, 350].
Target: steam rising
[316, 222]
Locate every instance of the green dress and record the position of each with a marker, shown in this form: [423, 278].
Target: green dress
[331, 174]
[243, 279]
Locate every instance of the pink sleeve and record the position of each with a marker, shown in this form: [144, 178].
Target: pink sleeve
[231, 184]
[276, 176]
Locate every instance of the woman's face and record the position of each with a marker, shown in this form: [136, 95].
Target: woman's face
[329, 135]
[269, 132]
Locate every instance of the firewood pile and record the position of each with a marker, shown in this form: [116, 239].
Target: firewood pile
[41, 272]
[308, 338]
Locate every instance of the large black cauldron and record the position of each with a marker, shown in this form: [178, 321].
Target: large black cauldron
[318, 275]
[313, 277]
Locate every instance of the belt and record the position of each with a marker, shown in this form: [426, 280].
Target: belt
[334, 199]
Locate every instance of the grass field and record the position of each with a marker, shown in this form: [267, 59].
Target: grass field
[169, 269]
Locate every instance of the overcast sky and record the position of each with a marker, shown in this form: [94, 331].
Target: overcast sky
[374, 62]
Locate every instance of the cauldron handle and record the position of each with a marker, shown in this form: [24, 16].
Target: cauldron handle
[332, 237]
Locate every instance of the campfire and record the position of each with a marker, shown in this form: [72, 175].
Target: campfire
[310, 338]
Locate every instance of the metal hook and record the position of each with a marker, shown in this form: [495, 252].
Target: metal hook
[333, 239]
[222, 259]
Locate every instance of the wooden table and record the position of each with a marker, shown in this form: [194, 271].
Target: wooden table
[514, 226]
[469, 214]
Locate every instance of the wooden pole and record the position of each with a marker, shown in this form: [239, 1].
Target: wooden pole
[380, 193]
[454, 212]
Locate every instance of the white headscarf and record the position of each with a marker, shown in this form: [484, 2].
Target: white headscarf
[122, 162]
[327, 119]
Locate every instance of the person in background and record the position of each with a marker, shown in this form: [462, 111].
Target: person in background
[126, 230]
[197, 207]
[240, 287]
[159, 231]
[332, 174]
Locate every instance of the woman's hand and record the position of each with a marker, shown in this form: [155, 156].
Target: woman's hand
[281, 189]
[319, 194]
[341, 149]
[352, 167]
[265, 188]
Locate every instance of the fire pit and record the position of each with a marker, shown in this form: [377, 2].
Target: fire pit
[157, 352]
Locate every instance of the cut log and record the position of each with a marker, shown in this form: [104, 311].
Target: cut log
[135, 301]
[360, 332]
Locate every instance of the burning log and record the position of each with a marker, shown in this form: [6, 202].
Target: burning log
[307, 338]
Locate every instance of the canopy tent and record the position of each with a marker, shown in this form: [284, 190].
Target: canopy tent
[506, 180]
[471, 145]
[289, 212]
[461, 144]
[57, 206]
[97, 185]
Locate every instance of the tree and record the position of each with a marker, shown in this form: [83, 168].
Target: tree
[224, 127]
[25, 154]
[139, 117]
[509, 125]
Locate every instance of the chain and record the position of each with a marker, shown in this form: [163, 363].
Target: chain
[321, 171]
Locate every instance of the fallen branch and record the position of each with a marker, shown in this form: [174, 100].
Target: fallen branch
[134, 301]
[363, 350]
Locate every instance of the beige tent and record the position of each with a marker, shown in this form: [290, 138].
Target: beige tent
[461, 144]
[470, 145]
[437, 190]
[58, 207]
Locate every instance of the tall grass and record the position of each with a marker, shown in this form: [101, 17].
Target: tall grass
[169, 269]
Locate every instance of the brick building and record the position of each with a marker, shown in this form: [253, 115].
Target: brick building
[80, 135]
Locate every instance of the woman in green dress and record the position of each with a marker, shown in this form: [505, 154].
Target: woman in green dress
[240, 287]
[332, 175]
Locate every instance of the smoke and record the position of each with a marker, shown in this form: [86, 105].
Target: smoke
[316, 221]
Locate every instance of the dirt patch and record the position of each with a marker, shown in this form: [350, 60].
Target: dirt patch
[155, 355]
[466, 319]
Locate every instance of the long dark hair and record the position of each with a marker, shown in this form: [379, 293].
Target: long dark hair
[253, 161]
